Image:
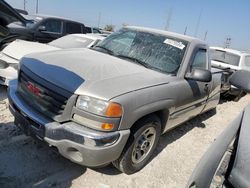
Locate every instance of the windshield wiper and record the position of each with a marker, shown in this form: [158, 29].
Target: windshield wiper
[140, 62]
[134, 60]
[110, 52]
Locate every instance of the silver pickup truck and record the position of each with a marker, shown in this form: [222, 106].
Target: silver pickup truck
[111, 103]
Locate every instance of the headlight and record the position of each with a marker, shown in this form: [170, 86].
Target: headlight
[99, 107]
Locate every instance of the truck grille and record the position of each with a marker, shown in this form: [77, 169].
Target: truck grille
[39, 97]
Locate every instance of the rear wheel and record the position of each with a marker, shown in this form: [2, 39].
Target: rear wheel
[144, 137]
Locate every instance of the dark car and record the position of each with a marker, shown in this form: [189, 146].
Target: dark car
[41, 28]
[226, 164]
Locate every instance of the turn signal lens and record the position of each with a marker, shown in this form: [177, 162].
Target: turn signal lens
[114, 110]
[107, 126]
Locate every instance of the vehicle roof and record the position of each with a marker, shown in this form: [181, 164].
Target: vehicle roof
[233, 51]
[167, 33]
[52, 16]
[90, 36]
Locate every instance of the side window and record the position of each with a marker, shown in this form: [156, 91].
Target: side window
[96, 31]
[83, 29]
[53, 26]
[88, 30]
[72, 28]
[247, 61]
[200, 60]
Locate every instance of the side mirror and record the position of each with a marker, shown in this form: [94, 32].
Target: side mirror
[41, 28]
[241, 80]
[199, 75]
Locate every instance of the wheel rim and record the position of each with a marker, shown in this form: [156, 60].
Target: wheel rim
[143, 145]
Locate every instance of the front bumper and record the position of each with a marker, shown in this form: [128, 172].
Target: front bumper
[75, 142]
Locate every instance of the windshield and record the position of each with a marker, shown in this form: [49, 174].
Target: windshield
[33, 20]
[71, 41]
[225, 57]
[154, 51]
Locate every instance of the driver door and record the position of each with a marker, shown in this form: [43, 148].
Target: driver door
[53, 30]
[195, 93]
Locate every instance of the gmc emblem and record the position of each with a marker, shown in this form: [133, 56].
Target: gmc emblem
[34, 89]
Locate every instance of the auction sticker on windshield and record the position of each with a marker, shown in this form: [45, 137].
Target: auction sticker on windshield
[174, 43]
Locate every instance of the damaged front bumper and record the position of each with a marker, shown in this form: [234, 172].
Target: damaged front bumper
[78, 143]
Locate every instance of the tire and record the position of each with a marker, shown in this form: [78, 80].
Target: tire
[132, 160]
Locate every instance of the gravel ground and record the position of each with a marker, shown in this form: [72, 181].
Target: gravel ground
[27, 163]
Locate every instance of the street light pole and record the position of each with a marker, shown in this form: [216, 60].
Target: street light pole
[99, 19]
[198, 23]
[168, 19]
[185, 32]
[24, 4]
[37, 6]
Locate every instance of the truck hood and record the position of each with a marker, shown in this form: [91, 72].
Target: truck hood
[88, 72]
[20, 48]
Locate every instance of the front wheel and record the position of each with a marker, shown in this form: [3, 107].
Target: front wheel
[144, 137]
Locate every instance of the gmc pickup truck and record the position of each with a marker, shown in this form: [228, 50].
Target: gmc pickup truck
[111, 103]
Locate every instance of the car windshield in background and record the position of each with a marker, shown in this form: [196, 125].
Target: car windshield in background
[154, 51]
[225, 57]
[71, 41]
[33, 19]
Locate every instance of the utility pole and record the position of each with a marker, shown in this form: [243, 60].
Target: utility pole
[185, 32]
[168, 19]
[24, 4]
[228, 42]
[205, 36]
[198, 23]
[99, 19]
[37, 6]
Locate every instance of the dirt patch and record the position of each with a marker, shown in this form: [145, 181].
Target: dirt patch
[28, 163]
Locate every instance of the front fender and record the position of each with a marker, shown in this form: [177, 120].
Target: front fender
[141, 103]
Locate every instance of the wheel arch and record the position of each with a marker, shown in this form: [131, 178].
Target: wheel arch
[163, 116]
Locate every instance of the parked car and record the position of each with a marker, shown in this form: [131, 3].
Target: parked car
[41, 28]
[111, 103]
[227, 162]
[106, 33]
[93, 30]
[98, 31]
[11, 55]
[45, 28]
[230, 61]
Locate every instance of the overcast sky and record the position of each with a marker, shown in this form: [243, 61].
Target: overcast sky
[219, 18]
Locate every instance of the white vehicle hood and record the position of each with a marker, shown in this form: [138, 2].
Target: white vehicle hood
[20, 48]
[88, 72]
[221, 65]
